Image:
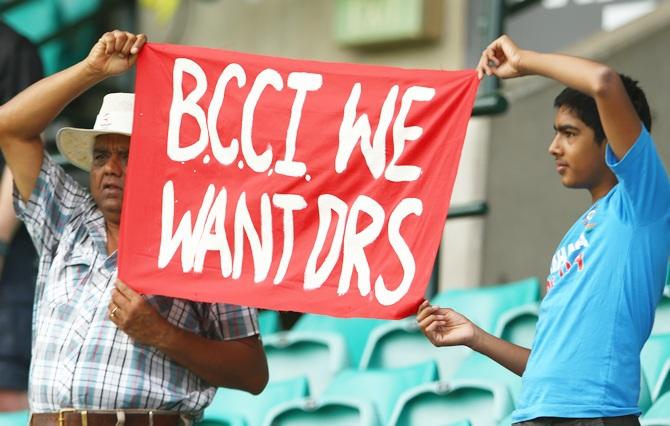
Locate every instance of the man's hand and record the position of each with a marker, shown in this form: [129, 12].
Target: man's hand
[136, 317]
[115, 52]
[501, 59]
[445, 327]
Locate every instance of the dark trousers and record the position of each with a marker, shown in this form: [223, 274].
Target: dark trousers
[605, 421]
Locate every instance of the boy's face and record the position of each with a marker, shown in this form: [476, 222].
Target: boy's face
[580, 160]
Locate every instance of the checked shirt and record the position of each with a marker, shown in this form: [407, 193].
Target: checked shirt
[80, 359]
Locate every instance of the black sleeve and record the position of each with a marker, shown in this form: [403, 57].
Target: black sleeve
[20, 65]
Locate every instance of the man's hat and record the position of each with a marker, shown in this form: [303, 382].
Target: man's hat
[115, 116]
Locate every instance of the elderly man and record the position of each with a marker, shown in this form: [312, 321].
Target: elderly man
[104, 354]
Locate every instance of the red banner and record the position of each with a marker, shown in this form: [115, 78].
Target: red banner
[289, 185]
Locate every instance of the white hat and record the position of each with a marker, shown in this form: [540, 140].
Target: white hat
[115, 116]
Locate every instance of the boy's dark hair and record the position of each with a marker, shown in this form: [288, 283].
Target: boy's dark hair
[584, 106]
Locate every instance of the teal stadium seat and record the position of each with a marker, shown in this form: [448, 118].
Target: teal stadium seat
[655, 359]
[355, 331]
[507, 421]
[334, 412]
[356, 398]
[14, 418]
[644, 401]
[317, 356]
[518, 324]
[399, 343]
[480, 402]
[269, 322]
[659, 413]
[236, 408]
[36, 20]
[478, 367]
[662, 319]
[79, 42]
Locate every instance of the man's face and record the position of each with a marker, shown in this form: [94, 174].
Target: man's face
[108, 172]
[580, 160]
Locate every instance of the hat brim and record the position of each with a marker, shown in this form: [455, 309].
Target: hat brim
[76, 145]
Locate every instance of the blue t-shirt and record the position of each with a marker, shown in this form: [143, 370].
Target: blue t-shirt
[606, 279]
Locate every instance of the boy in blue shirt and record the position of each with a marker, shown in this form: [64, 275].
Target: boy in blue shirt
[607, 275]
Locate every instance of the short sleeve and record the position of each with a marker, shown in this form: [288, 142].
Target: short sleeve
[643, 181]
[226, 322]
[57, 197]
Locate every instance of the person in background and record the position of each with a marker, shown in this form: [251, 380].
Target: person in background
[20, 66]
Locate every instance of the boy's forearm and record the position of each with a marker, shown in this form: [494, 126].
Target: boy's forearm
[512, 357]
[584, 75]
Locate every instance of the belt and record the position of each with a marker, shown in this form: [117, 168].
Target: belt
[71, 417]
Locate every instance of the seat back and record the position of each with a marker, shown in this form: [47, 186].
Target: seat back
[655, 358]
[14, 418]
[662, 318]
[233, 407]
[478, 402]
[485, 305]
[659, 413]
[333, 413]
[354, 331]
[268, 322]
[478, 367]
[317, 356]
[518, 325]
[36, 20]
[400, 343]
[381, 388]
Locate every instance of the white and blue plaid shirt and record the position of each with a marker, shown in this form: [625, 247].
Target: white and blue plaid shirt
[80, 359]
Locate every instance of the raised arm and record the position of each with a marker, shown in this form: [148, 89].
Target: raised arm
[446, 327]
[504, 59]
[25, 117]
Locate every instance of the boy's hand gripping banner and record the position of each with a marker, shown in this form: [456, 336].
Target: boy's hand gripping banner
[289, 185]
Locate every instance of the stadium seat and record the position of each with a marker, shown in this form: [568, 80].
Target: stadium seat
[479, 367]
[268, 321]
[518, 325]
[232, 407]
[74, 10]
[659, 413]
[507, 421]
[662, 319]
[355, 398]
[318, 356]
[78, 43]
[486, 305]
[355, 331]
[400, 343]
[14, 418]
[655, 359]
[334, 412]
[23, 19]
[644, 401]
[480, 402]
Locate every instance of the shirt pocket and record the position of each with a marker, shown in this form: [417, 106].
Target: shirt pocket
[60, 292]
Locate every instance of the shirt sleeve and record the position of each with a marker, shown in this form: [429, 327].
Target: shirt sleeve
[644, 182]
[226, 322]
[57, 197]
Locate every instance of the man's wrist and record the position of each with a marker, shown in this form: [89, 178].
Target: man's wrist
[93, 74]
